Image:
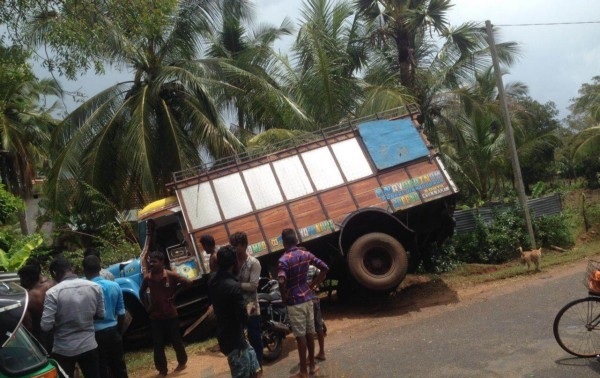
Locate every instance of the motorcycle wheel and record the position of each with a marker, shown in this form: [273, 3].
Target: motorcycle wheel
[272, 345]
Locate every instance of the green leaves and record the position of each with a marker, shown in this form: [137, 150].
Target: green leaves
[13, 259]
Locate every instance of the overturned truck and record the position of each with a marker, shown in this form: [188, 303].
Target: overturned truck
[369, 197]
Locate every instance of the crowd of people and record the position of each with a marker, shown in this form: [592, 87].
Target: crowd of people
[81, 319]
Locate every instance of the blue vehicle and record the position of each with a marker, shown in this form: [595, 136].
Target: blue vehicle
[160, 223]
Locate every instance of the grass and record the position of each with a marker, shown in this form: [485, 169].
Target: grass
[470, 274]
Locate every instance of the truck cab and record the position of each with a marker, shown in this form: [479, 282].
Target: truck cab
[160, 225]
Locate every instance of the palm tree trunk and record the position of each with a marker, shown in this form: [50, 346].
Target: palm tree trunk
[23, 222]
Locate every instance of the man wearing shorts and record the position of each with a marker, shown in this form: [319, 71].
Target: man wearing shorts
[297, 295]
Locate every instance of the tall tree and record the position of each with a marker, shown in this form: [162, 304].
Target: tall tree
[327, 56]
[131, 137]
[251, 49]
[414, 43]
[472, 135]
[25, 121]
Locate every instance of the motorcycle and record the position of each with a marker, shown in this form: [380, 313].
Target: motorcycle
[275, 324]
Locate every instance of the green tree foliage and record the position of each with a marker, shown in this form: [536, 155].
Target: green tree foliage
[25, 121]
[472, 137]
[327, 55]
[415, 44]
[537, 137]
[131, 137]
[19, 251]
[250, 49]
[10, 206]
[585, 109]
[581, 152]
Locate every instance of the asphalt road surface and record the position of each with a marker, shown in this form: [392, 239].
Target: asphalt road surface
[503, 333]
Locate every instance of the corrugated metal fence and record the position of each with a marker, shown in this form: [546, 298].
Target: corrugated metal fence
[538, 207]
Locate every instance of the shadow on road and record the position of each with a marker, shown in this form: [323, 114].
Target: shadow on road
[592, 363]
[414, 295]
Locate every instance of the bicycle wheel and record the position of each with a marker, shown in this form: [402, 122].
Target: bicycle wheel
[577, 327]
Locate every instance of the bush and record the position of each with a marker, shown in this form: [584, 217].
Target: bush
[497, 242]
[443, 258]
[111, 242]
[554, 230]
[10, 205]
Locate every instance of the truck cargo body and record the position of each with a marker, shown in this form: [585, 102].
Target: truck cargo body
[360, 195]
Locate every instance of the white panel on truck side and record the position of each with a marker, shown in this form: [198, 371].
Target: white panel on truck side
[232, 195]
[292, 176]
[322, 168]
[200, 204]
[352, 159]
[262, 186]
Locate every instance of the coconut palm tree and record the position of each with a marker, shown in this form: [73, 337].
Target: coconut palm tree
[414, 44]
[472, 134]
[326, 57]
[25, 124]
[250, 49]
[25, 121]
[126, 141]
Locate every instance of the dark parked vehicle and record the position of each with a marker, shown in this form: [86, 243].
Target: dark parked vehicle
[21, 355]
[275, 323]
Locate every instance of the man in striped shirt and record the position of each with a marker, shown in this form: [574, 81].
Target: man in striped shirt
[297, 295]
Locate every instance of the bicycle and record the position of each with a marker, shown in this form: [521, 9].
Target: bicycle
[576, 323]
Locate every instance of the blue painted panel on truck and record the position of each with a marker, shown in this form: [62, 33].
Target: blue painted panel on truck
[128, 275]
[392, 142]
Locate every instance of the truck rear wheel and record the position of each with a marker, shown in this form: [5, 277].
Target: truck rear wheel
[378, 261]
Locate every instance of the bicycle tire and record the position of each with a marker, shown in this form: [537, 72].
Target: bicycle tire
[573, 329]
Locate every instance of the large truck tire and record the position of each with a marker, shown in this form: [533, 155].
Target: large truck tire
[377, 261]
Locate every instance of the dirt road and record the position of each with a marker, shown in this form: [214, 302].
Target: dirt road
[419, 300]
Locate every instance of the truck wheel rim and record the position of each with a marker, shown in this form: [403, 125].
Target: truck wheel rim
[377, 261]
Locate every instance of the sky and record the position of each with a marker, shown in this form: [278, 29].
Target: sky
[555, 60]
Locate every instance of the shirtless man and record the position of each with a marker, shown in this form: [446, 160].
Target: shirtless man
[36, 285]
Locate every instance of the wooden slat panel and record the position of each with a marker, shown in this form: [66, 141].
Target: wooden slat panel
[338, 202]
[273, 222]
[307, 212]
[364, 192]
[218, 232]
[393, 177]
[256, 244]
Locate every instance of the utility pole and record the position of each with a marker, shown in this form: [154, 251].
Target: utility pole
[510, 137]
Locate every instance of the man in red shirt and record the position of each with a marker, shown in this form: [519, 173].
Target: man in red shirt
[163, 286]
[297, 295]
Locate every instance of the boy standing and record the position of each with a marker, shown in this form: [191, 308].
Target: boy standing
[248, 273]
[164, 286]
[225, 294]
[296, 294]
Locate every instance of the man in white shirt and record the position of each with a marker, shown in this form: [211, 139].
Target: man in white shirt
[70, 308]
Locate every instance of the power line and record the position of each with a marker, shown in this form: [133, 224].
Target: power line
[553, 23]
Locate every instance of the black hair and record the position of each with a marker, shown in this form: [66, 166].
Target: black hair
[59, 266]
[29, 275]
[156, 255]
[91, 251]
[207, 240]
[226, 257]
[238, 238]
[288, 237]
[91, 265]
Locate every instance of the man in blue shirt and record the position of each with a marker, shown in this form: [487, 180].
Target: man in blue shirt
[108, 335]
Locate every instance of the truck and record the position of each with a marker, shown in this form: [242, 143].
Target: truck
[369, 196]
